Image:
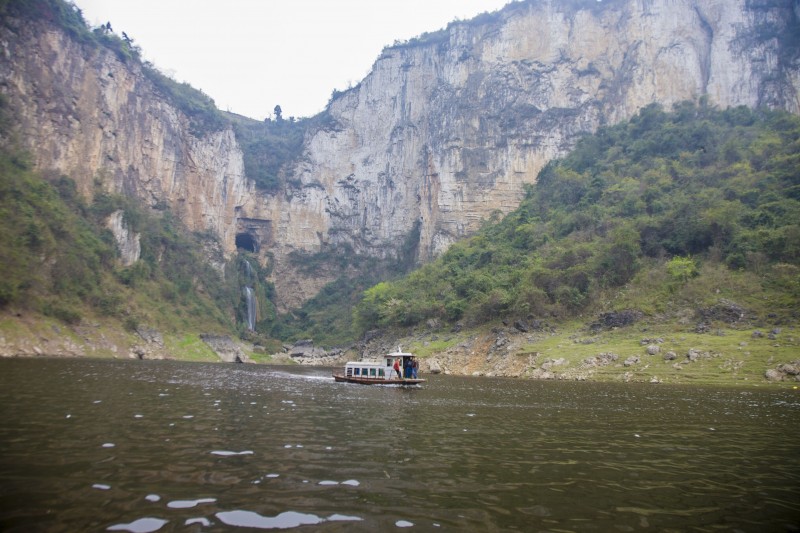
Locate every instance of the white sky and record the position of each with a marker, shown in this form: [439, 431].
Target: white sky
[250, 55]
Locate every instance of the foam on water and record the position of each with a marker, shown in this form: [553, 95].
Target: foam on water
[143, 525]
[188, 504]
[226, 453]
[349, 482]
[344, 518]
[285, 520]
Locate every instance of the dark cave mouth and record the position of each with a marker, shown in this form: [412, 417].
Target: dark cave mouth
[246, 242]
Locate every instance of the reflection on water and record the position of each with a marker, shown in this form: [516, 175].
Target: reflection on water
[163, 446]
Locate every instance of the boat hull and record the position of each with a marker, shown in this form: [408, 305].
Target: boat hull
[376, 381]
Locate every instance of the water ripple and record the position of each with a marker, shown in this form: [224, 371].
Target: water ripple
[285, 447]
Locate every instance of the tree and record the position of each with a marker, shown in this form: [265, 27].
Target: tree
[681, 269]
[278, 112]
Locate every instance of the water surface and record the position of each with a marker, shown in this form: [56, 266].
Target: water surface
[94, 445]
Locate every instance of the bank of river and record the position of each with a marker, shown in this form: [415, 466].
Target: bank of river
[90, 445]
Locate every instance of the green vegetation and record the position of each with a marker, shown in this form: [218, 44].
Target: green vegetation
[269, 147]
[203, 114]
[191, 347]
[665, 211]
[272, 146]
[60, 260]
[328, 317]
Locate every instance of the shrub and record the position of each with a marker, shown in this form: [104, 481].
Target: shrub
[682, 269]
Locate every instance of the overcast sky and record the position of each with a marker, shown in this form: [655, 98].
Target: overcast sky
[250, 55]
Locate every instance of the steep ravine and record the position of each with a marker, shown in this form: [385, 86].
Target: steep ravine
[444, 131]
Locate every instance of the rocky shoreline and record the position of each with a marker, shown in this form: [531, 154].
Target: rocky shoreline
[499, 352]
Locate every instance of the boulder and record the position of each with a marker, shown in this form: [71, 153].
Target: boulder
[541, 373]
[306, 348]
[632, 360]
[693, 354]
[433, 366]
[774, 374]
[602, 359]
[724, 311]
[617, 319]
[225, 348]
[150, 335]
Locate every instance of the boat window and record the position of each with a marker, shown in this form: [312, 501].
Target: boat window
[356, 371]
[381, 373]
[372, 372]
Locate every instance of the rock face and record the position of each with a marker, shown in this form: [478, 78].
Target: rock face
[226, 348]
[82, 112]
[447, 130]
[128, 242]
[443, 132]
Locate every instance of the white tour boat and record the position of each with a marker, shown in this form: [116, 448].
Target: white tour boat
[372, 372]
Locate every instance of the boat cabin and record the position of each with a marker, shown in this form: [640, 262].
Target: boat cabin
[382, 369]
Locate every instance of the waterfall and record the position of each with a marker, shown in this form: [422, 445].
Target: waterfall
[248, 270]
[249, 295]
[250, 299]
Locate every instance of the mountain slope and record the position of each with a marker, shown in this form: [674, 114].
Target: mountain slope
[659, 197]
[664, 248]
[444, 130]
[450, 127]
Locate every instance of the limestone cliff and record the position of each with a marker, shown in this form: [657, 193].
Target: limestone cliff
[444, 130]
[83, 112]
[448, 128]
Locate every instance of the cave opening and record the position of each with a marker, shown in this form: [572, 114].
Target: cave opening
[246, 242]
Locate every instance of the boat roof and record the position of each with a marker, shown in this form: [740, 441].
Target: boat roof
[398, 353]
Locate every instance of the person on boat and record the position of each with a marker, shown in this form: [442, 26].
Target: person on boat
[407, 368]
[414, 367]
[397, 368]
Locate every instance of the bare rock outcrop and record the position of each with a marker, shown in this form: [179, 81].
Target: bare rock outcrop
[226, 348]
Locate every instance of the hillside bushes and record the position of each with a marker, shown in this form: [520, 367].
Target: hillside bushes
[701, 183]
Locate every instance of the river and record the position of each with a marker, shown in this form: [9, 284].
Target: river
[95, 445]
